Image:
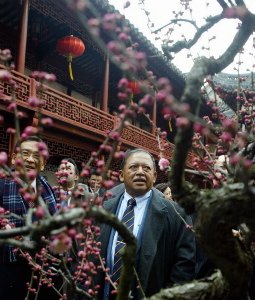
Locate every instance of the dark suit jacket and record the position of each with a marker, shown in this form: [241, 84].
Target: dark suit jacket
[166, 252]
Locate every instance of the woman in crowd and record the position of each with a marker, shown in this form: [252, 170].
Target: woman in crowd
[165, 189]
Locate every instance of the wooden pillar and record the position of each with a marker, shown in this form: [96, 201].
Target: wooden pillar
[12, 142]
[154, 117]
[23, 37]
[106, 84]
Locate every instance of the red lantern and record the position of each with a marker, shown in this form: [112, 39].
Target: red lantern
[71, 47]
[135, 87]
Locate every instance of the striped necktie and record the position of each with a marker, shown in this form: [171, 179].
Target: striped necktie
[128, 220]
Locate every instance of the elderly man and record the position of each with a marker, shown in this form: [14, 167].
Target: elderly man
[28, 162]
[166, 247]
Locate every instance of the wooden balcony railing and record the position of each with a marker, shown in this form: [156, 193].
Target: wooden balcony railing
[70, 110]
[60, 106]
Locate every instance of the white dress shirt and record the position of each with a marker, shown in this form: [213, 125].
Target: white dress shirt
[139, 209]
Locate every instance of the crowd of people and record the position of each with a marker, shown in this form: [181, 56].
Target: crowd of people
[167, 251]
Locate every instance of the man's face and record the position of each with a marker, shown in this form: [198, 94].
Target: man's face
[33, 161]
[95, 182]
[68, 171]
[138, 174]
[168, 193]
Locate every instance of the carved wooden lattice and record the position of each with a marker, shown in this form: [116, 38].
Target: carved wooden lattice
[139, 138]
[22, 91]
[62, 149]
[69, 109]
[4, 140]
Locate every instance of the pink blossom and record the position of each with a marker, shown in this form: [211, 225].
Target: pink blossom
[122, 107]
[31, 174]
[234, 159]
[247, 163]
[12, 106]
[163, 134]
[40, 212]
[3, 158]
[123, 83]
[29, 130]
[50, 77]
[43, 149]
[163, 164]
[60, 244]
[147, 100]
[85, 173]
[10, 130]
[114, 135]
[230, 124]
[5, 54]
[34, 102]
[100, 163]
[122, 96]
[123, 37]
[161, 96]
[21, 115]
[108, 184]
[72, 232]
[47, 121]
[5, 75]
[226, 137]
[119, 155]
[182, 122]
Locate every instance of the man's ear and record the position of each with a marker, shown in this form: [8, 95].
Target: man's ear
[14, 156]
[42, 164]
[121, 177]
[155, 177]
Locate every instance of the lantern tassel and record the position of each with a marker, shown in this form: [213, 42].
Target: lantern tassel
[170, 126]
[70, 70]
[69, 59]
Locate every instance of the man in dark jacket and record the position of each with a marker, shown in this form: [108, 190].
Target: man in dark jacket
[15, 271]
[166, 246]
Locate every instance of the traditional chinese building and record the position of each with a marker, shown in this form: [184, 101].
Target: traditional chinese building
[83, 109]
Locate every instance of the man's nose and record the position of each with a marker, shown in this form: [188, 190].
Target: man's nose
[140, 170]
[31, 158]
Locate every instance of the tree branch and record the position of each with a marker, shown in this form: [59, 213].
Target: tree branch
[201, 68]
[240, 3]
[174, 22]
[188, 44]
[223, 4]
[220, 212]
[74, 216]
[211, 288]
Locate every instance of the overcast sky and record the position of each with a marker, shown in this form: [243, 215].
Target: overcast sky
[161, 11]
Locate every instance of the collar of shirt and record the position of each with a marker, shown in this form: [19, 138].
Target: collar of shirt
[33, 185]
[139, 200]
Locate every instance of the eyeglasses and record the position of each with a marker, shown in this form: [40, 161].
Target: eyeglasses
[27, 153]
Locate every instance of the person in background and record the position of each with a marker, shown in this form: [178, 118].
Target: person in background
[15, 271]
[165, 189]
[95, 183]
[68, 177]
